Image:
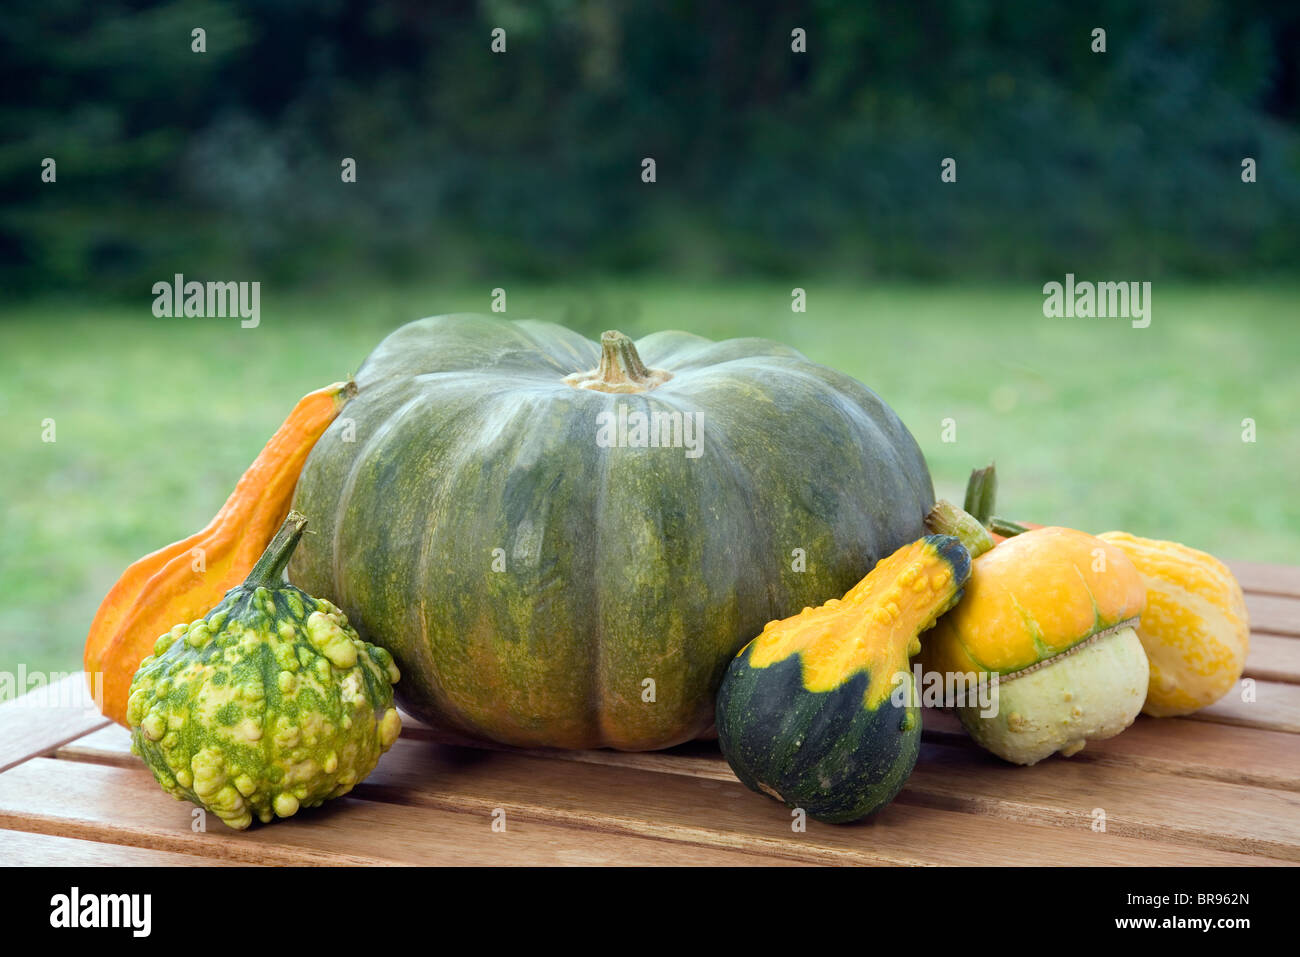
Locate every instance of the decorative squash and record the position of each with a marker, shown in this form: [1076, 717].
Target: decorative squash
[818, 711]
[185, 579]
[1195, 629]
[268, 703]
[564, 543]
[1051, 613]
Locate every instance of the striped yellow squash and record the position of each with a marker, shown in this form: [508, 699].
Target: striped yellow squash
[1195, 628]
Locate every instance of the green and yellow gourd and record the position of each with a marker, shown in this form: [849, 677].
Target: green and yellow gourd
[267, 704]
[818, 711]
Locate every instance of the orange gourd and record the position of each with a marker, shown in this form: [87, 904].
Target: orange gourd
[1051, 612]
[182, 581]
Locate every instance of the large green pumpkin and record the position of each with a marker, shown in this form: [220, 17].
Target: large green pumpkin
[488, 510]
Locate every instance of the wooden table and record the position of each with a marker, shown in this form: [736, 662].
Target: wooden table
[1219, 787]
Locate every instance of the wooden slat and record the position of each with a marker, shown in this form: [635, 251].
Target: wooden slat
[701, 805]
[1194, 749]
[1276, 707]
[1274, 614]
[1164, 784]
[704, 810]
[1267, 579]
[661, 797]
[1214, 752]
[123, 805]
[41, 721]
[111, 745]
[721, 812]
[1160, 807]
[1274, 658]
[43, 850]
[1202, 749]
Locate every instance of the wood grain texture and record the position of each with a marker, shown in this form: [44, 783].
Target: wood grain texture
[1273, 614]
[22, 849]
[716, 810]
[1160, 807]
[700, 805]
[1267, 579]
[123, 805]
[1270, 705]
[1273, 658]
[1176, 746]
[1218, 787]
[44, 719]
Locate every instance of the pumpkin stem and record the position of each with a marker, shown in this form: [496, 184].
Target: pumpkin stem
[981, 492]
[620, 369]
[269, 570]
[947, 519]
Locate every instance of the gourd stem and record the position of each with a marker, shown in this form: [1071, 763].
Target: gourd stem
[947, 519]
[269, 570]
[620, 368]
[981, 492]
[1006, 527]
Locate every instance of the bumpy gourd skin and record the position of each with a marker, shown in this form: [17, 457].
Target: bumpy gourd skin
[1089, 695]
[268, 704]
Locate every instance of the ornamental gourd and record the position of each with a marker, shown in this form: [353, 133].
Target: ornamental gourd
[1050, 612]
[268, 703]
[1195, 629]
[186, 578]
[564, 543]
[819, 710]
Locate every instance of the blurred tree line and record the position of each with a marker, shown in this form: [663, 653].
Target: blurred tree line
[529, 161]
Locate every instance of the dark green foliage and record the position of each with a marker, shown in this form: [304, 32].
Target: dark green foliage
[529, 162]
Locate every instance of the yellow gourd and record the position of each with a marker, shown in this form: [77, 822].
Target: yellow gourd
[1195, 629]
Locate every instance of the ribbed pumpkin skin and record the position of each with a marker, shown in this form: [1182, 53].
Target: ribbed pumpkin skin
[1195, 629]
[621, 564]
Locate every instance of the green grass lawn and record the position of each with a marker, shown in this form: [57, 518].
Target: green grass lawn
[1092, 423]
